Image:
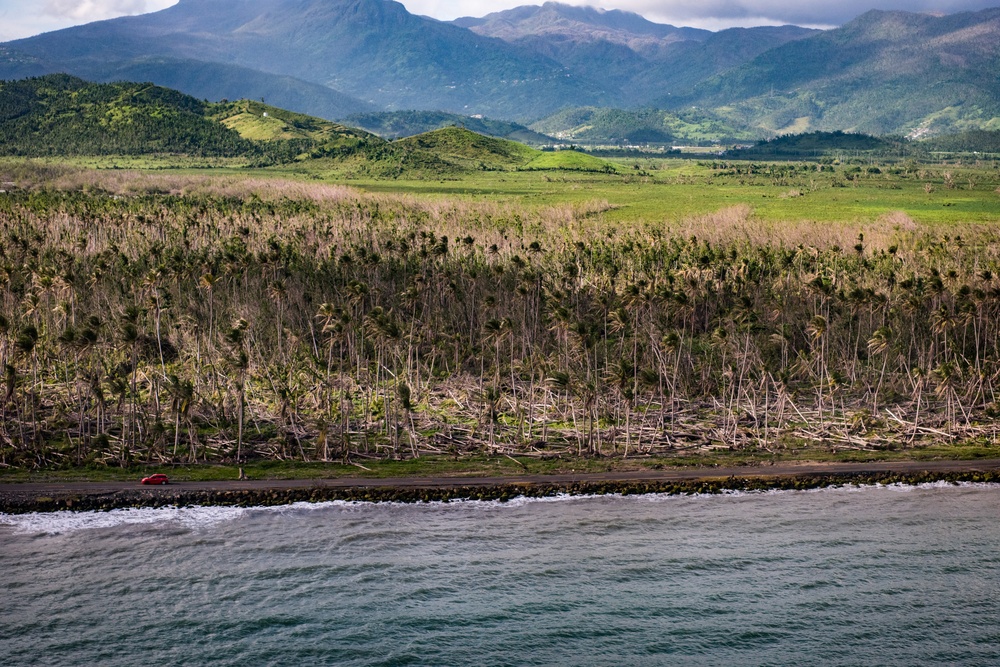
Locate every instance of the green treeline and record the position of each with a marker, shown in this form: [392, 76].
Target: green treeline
[815, 144]
[59, 115]
[972, 141]
[294, 323]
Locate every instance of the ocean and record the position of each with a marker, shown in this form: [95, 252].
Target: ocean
[844, 576]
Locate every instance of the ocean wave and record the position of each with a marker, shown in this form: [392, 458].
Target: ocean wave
[58, 523]
[200, 518]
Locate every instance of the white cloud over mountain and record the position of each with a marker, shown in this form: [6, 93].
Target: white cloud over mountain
[22, 18]
[95, 10]
[716, 13]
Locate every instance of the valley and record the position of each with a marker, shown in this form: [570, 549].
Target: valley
[206, 285]
[883, 73]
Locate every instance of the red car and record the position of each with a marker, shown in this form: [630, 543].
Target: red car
[158, 478]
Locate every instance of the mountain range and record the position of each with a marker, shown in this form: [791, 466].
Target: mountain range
[635, 59]
[61, 115]
[884, 72]
[374, 51]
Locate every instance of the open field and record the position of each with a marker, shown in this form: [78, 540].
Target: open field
[676, 189]
[672, 312]
[669, 190]
[657, 190]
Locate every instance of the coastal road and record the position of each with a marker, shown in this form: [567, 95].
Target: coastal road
[62, 489]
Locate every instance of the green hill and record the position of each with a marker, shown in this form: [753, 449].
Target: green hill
[59, 115]
[62, 115]
[399, 124]
[468, 150]
[262, 122]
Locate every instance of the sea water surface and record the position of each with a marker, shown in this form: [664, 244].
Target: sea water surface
[870, 576]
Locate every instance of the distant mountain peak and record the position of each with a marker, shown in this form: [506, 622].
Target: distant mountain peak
[884, 71]
[581, 22]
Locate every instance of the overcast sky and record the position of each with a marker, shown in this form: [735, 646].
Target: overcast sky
[23, 18]
[716, 14]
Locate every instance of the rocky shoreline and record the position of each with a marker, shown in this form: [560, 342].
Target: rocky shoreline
[28, 500]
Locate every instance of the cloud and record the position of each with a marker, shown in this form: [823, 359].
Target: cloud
[24, 18]
[716, 13]
[95, 10]
[782, 11]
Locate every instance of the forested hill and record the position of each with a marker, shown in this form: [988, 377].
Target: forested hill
[60, 115]
[63, 115]
[814, 144]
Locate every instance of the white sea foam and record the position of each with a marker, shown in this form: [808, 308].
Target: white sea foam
[833, 489]
[57, 523]
[190, 518]
[200, 518]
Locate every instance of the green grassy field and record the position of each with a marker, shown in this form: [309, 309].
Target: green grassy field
[657, 190]
[676, 189]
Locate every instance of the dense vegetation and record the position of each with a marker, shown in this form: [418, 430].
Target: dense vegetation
[253, 318]
[819, 144]
[59, 115]
[973, 141]
[62, 115]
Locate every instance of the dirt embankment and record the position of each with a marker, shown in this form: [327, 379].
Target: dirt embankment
[84, 496]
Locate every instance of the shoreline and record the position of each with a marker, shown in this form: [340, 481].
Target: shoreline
[23, 498]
